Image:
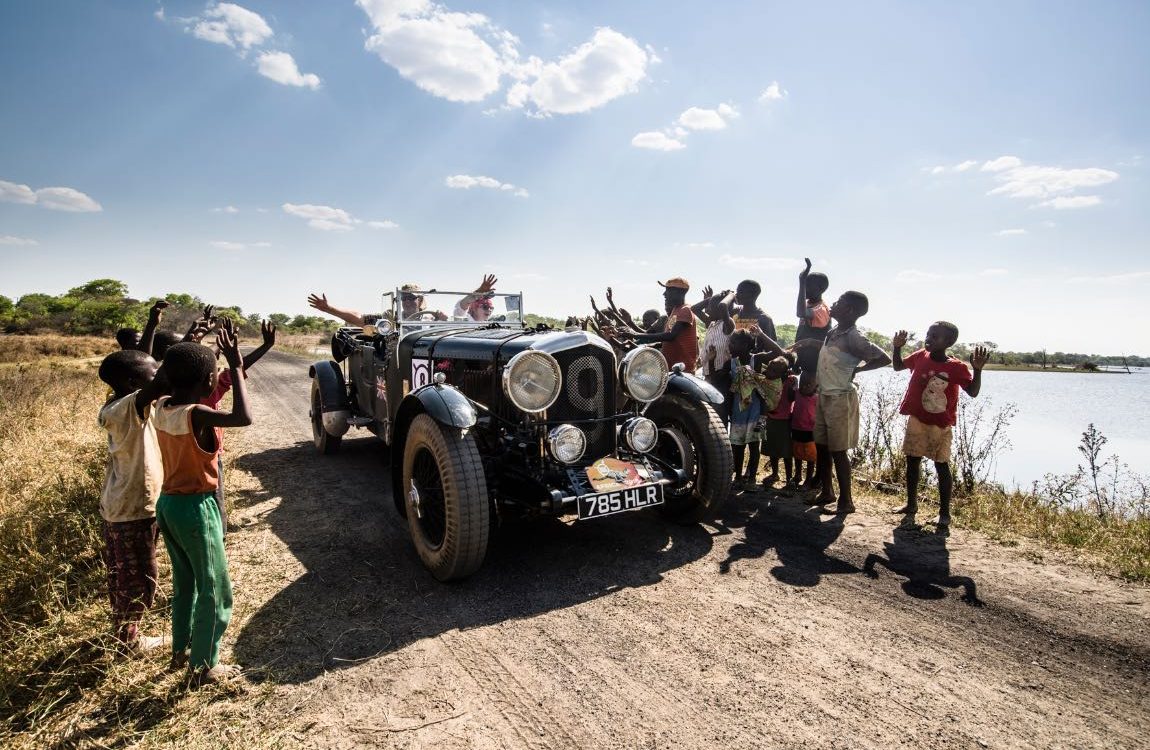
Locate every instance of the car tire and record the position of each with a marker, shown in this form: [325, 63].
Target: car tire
[693, 437]
[445, 495]
[325, 442]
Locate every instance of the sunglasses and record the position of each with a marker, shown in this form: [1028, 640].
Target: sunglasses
[410, 297]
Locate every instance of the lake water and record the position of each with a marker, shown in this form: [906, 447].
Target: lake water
[1054, 408]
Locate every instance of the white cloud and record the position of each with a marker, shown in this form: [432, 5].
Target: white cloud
[226, 210]
[330, 218]
[281, 68]
[605, 68]
[325, 218]
[54, 198]
[993, 272]
[465, 57]
[911, 276]
[244, 30]
[1042, 182]
[8, 239]
[226, 245]
[773, 93]
[1001, 163]
[963, 166]
[466, 182]
[1010, 232]
[233, 25]
[1072, 201]
[697, 118]
[1130, 277]
[759, 263]
[657, 141]
[937, 170]
[692, 119]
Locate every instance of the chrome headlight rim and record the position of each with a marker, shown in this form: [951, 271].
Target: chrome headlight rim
[629, 362]
[555, 434]
[633, 424]
[509, 371]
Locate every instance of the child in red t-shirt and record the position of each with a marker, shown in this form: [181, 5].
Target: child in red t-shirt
[931, 406]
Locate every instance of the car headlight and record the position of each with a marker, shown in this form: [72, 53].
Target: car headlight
[567, 443]
[532, 380]
[644, 374]
[640, 434]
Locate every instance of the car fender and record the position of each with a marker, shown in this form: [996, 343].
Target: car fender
[693, 388]
[334, 408]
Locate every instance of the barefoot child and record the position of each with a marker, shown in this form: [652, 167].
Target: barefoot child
[845, 353]
[803, 429]
[189, 435]
[752, 393]
[931, 406]
[131, 486]
[777, 435]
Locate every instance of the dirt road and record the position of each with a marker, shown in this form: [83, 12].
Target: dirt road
[762, 630]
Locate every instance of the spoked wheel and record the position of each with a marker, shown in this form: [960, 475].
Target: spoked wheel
[325, 442]
[693, 438]
[448, 513]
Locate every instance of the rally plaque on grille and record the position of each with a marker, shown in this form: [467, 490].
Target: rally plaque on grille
[619, 486]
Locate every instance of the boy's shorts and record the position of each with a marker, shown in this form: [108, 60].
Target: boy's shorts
[837, 420]
[927, 441]
[804, 445]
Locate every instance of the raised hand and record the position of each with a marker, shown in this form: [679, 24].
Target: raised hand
[268, 331]
[229, 345]
[594, 306]
[610, 298]
[806, 271]
[488, 285]
[198, 330]
[319, 302]
[157, 310]
[626, 316]
[208, 309]
[898, 341]
[707, 292]
[979, 357]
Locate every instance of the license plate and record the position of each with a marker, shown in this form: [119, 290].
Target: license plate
[620, 501]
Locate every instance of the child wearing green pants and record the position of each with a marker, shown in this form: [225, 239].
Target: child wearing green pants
[188, 517]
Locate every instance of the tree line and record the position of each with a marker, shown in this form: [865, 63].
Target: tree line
[102, 306]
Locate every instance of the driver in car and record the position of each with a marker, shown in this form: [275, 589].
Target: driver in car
[413, 306]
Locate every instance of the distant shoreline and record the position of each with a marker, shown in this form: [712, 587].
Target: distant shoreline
[1070, 370]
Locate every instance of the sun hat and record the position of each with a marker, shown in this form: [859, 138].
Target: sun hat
[678, 282]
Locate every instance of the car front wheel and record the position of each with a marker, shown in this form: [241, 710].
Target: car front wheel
[692, 438]
[448, 513]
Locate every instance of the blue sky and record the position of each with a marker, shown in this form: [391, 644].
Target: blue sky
[980, 162]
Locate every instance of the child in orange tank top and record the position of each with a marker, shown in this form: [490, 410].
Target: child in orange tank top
[189, 435]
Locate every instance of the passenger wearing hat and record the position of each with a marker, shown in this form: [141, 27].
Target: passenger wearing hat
[678, 337]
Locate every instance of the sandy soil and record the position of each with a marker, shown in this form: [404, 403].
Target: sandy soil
[762, 630]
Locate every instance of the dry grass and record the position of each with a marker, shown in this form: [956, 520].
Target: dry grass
[305, 344]
[62, 684]
[38, 348]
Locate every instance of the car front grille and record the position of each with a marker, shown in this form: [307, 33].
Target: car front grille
[588, 393]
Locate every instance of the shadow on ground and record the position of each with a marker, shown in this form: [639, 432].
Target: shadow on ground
[798, 534]
[923, 559]
[365, 591]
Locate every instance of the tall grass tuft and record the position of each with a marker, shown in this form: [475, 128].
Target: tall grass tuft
[38, 348]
